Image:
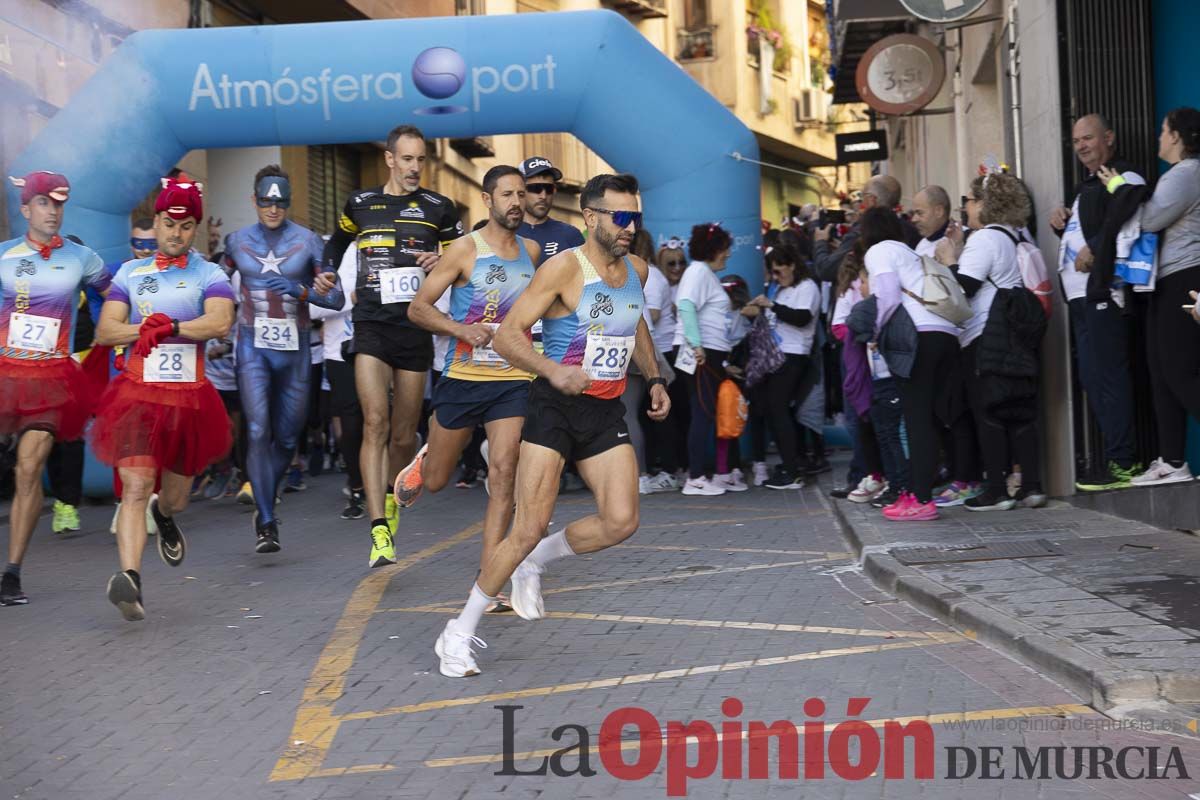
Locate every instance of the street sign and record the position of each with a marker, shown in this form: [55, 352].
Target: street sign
[900, 74]
[942, 10]
[861, 146]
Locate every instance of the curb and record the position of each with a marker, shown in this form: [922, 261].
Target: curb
[1101, 681]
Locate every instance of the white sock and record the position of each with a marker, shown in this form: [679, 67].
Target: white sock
[477, 603]
[552, 548]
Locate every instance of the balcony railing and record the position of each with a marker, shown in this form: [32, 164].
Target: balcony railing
[696, 44]
[639, 9]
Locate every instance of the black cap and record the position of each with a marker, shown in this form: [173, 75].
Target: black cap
[539, 165]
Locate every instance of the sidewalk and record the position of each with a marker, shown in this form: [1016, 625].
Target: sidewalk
[1115, 617]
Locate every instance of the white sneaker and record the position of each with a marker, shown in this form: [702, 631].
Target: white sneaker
[868, 489]
[731, 482]
[702, 486]
[1162, 473]
[151, 525]
[644, 484]
[526, 597]
[662, 482]
[760, 473]
[672, 483]
[454, 651]
[1013, 483]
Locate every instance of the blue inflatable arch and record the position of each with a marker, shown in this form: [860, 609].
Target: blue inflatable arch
[590, 73]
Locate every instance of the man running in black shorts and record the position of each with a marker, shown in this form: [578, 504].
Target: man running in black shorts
[397, 229]
[590, 302]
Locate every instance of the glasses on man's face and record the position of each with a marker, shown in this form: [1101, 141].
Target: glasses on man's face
[541, 188]
[622, 219]
[267, 202]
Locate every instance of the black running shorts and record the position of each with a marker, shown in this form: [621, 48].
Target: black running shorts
[576, 427]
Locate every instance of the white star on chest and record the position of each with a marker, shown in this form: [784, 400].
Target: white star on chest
[270, 262]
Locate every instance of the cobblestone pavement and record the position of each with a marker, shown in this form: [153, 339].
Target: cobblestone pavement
[305, 675]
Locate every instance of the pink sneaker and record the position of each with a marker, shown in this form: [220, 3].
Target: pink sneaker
[904, 500]
[912, 511]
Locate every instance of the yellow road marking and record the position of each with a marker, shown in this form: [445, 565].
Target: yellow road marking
[626, 680]
[316, 724]
[942, 637]
[932, 719]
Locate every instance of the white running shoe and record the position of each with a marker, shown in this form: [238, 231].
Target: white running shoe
[731, 482]
[702, 486]
[654, 484]
[761, 475]
[526, 597]
[1162, 473]
[151, 525]
[644, 484]
[453, 649]
[868, 489]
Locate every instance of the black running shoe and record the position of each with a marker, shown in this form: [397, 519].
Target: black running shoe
[268, 537]
[10, 591]
[784, 479]
[990, 501]
[886, 499]
[840, 492]
[354, 505]
[172, 547]
[125, 592]
[816, 466]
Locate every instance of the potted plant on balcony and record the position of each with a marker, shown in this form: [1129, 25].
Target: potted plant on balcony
[764, 32]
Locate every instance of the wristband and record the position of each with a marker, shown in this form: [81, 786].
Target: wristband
[1114, 183]
[656, 381]
[174, 327]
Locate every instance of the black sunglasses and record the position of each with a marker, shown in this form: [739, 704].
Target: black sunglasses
[621, 219]
[541, 188]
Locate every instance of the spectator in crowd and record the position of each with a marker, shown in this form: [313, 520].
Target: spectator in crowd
[792, 313]
[658, 295]
[666, 440]
[997, 207]
[897, 281]
[881, 191]
[931, 216]
[1097, 322]
[703, 340]
[1172, 341]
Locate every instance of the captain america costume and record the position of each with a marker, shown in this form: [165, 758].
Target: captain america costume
[273, 340]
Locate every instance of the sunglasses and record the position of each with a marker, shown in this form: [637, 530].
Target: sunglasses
[541, 188]
[267, 202]
[622, 219]
[143, 244]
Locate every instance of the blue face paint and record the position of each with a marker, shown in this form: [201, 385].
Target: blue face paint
[273, 190]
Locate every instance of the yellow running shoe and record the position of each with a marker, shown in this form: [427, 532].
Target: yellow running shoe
[409, 482]
[391, 512]
[383, 550]
[246, 495]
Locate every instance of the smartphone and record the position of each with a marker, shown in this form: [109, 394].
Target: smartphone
[831, 216]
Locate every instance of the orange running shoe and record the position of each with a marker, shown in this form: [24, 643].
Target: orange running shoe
[409, 483]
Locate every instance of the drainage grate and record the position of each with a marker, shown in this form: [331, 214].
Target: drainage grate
[1035, 548]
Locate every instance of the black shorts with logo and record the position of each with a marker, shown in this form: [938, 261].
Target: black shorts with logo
[398, 346]
[576, 427]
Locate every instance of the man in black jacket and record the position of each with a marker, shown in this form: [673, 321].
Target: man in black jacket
[1088, 228]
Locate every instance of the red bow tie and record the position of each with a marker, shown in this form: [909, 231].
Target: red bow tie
[165, 262]
[45, 249]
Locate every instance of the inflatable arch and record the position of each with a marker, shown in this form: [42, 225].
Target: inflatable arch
[590, 73]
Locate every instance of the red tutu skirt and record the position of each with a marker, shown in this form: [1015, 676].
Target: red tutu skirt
[50, 395]
[181, 427]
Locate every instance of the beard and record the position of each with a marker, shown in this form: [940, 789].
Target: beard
[509, 223]
[611, 243]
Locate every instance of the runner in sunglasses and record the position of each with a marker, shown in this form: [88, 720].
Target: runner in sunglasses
[541, 184]
[590, 300]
